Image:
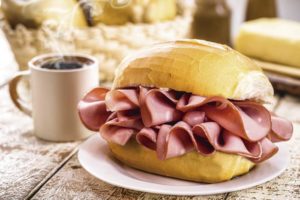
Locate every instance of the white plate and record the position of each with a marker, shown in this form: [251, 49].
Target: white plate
[96, 158]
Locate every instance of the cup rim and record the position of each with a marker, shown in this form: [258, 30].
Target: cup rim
[32, 63]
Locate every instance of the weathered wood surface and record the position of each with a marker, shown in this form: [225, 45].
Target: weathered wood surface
[24, 159]
[289, 107]
[73, 182]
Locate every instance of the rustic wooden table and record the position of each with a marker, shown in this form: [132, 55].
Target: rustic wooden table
[31, 168]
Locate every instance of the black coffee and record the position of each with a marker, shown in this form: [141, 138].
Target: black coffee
[62, 65]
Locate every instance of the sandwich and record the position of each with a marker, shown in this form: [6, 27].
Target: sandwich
[187, 109]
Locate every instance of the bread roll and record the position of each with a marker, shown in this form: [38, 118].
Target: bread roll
[191, 166]
[199, 67]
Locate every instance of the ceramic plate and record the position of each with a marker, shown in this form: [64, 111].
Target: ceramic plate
[96, 158]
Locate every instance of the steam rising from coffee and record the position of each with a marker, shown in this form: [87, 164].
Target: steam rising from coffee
[56, 31]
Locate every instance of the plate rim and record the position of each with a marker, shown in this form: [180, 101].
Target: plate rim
[157, 190]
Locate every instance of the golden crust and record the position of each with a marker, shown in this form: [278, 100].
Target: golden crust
[191, 166]
[196, 66]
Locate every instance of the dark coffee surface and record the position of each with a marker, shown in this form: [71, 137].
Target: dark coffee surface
[62, 65]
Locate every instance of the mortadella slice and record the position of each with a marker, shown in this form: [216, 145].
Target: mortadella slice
[174, 123]
[92, 109]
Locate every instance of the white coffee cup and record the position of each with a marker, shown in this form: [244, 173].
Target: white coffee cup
[55, 95]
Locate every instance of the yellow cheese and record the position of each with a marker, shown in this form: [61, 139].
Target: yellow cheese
[274, 40]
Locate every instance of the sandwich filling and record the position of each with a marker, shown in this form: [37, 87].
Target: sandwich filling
[173, 123]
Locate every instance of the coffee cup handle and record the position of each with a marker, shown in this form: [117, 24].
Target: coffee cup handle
[14, 95]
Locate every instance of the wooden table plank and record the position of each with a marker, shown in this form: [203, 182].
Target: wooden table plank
[273, 104]
[289, 107]
[25, 160]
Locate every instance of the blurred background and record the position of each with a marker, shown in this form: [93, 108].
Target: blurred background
[112, 29]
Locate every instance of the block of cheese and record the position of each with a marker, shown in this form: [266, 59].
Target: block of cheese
[273, 40]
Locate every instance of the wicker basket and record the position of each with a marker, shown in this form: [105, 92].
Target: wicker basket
[108, 43]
